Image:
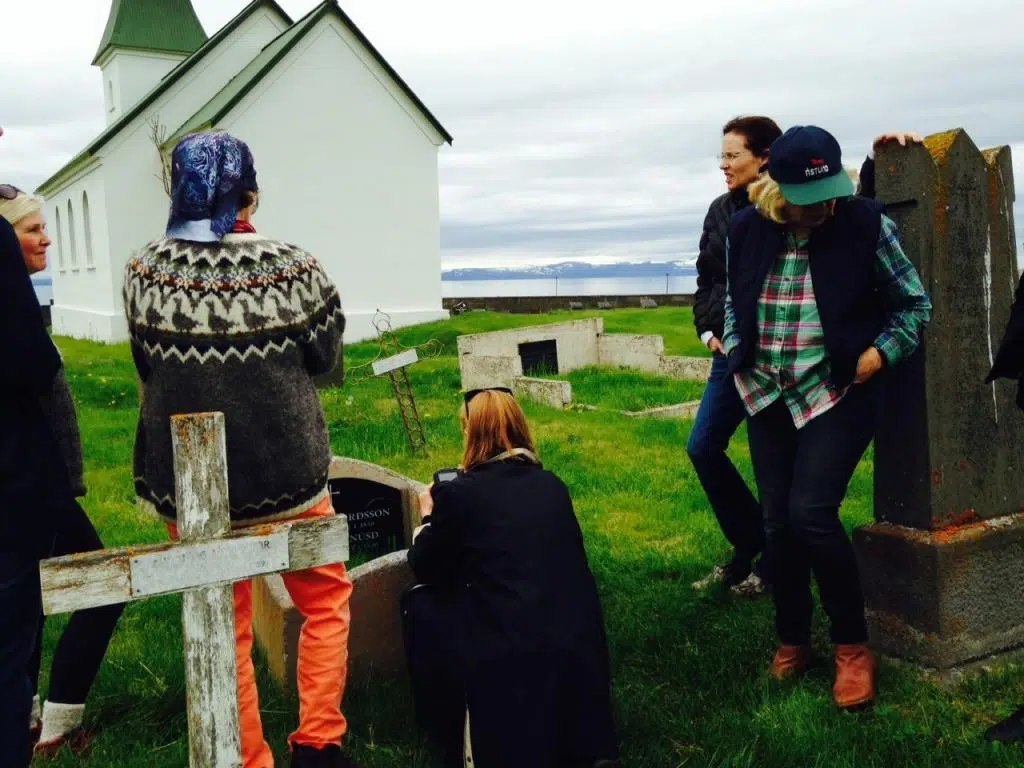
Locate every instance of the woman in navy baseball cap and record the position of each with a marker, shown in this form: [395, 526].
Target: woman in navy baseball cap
[821, 300]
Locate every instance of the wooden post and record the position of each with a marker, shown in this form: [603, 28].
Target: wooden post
[207, 613]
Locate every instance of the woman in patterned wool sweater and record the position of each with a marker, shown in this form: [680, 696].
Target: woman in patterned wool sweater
[223, 319]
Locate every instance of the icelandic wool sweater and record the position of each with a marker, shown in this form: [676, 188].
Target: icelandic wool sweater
[239, 326]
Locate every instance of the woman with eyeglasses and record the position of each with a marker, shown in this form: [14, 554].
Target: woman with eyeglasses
[80, 651]
[501, 548]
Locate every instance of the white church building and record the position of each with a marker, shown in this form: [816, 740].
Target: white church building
[346, 157]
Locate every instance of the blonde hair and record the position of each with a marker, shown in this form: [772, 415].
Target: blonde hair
[492, 423]
[21, 206]
[766, 196]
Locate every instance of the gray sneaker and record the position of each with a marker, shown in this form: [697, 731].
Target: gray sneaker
[752, 586]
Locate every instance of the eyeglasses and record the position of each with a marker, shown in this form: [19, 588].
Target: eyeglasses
[9, 191]
[730, 156]
[474, 392]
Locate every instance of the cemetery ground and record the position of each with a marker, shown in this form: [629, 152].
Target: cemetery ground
[689, 670]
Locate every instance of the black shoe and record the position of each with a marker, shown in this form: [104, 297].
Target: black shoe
[305, 756]
[1009, 730]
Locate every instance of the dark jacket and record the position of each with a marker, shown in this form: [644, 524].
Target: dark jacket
[842, 257]
[60, 409]
[709, 299]
[505, 539]
[35, 495]
[1009, 360]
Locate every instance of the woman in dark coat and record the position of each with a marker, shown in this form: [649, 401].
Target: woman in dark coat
[35, 495]
[79, 653]
[500, 538]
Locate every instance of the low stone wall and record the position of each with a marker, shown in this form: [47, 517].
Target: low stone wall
[627, 350]
[576, 343]
[539, 304]
[483, 371]
[550, 392]
[690, 368]
[678, 411]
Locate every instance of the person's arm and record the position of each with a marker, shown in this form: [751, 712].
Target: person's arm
[866, 181]
[709, 261]
[1009, 360]
[433, 555]
[326, 324]
[909, 307]
[731, 337]
[30, 361]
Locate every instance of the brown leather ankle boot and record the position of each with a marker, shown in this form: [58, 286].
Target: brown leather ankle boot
[790, 661]
[855, 676]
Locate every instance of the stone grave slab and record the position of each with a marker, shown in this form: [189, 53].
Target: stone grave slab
[385, 508]
[937, 565]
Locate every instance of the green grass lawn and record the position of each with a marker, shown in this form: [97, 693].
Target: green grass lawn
[622, 389]
[690, 681]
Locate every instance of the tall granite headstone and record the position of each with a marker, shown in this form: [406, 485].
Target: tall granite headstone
[943, 566]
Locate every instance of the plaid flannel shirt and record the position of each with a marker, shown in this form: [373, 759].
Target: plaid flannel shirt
[790, 360]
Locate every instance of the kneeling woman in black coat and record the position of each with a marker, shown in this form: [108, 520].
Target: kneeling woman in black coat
[501, 547]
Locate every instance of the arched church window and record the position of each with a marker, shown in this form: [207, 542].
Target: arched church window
[87, 224]
[60, 240]
[110, 94]
[71, 236]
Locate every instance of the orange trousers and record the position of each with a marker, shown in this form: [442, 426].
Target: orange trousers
[322, 596]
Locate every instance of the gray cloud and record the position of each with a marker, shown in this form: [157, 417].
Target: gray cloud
[589, 130]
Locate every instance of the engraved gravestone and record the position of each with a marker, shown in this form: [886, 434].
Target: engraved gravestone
[375, 512]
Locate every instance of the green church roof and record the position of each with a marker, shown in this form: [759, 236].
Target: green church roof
[152, 25]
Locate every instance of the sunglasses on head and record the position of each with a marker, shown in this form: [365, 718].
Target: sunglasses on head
[9, 191]
[474, 392]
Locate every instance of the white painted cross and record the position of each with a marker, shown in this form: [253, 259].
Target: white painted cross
[202, 566]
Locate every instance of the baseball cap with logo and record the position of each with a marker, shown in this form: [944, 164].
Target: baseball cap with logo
[808, 165]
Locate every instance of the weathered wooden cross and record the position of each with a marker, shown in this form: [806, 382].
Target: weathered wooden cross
[203, 566]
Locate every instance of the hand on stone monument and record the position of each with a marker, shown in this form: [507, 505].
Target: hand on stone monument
[901, 137]
[868, 365]
[426, 502]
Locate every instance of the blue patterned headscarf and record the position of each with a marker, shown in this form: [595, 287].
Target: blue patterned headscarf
[209, 173]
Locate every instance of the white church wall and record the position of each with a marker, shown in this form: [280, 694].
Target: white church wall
[82, 287]
[129, 75]
[134, 199]
[348, 170]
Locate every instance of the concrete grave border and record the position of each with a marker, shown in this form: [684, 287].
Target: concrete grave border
[492, 359]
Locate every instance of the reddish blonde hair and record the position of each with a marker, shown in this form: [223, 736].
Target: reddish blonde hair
[492, 423]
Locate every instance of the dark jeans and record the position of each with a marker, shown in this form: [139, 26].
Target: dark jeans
[802, 478]
[720, 414]
[20, 609]
[80, 650]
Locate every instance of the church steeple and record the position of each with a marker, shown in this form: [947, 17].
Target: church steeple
[165, 26]
[143, 41]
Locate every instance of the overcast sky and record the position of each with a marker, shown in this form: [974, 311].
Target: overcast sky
[588, 130]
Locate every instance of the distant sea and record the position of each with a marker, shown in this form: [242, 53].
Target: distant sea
[567, 286]
[43, 284]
